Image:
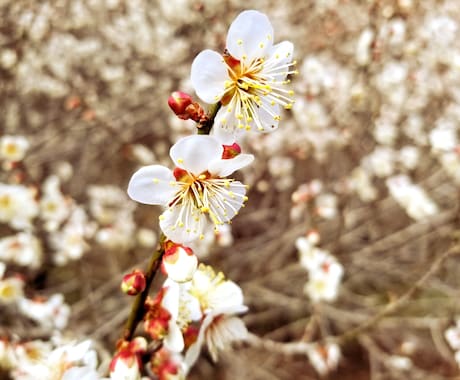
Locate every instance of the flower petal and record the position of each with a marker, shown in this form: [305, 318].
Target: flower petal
[250, 36]
[181, 224]
[174, 341]
[153, 185]
[276, 66]
[226, 295]
[225, 125]
[223, 168]
[227, 202]
[268, 117]
[208, 76]
[194, 153]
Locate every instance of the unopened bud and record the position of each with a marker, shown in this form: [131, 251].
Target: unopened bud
[133, 283]
[179, 263]
[231, 151]
[179, 101]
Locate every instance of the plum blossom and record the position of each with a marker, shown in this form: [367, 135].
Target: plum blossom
[13, 148]
[248, 80]
[196, 192]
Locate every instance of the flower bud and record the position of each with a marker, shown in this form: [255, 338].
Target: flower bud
[231, 151]
[179, 263]
[125, 365]
[133, 283]
[179, 101]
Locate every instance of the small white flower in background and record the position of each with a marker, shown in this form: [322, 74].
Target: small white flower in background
[107, 202]
[452, 335]
[444, 136]
[17, 205]
[54, 207]
[439, 30]
[13, 148]
[22, 249]
[51, 313]
[380, 161]
[385, 132]
[393, 32]
[57, 362]
[146, 238]
[11, 290]
[196, 192]
[310, 114]
[324, 358]
[70, 243]
[326, 205]
[400, 362]
[249, 80]
[324, 285]
[360, 181]
[313, 74]
[409, 157]
[224, 237]
[8, 356]
[411, 197]
[363, 53]
[118, 235]
[450, 161]
[324, 271]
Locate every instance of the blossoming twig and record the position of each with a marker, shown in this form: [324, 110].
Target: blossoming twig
[137, 310]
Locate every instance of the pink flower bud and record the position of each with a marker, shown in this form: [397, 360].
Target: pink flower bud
[133, 283]
[179, 101]
[179, 263]
[231, 151]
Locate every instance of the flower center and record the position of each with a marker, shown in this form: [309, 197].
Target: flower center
[255, 88]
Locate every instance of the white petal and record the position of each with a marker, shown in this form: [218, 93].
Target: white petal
[194, 153]
[250, 35]
[267, 113]
[225, 123]
[279, 55]
[229, 201]
[154, 185]
[226, 295]
[208, 76]
[171, 298]
[182, 225]
[174, 341]
[223, 168]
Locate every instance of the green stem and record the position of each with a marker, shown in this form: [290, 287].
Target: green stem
[137, 310]
[205, 128]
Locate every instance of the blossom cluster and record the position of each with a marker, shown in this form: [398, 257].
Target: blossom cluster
[246, 86]
[324, 271]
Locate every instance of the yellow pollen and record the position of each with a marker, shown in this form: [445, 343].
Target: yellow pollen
[248, 127]
[202, 176]
[180, 160]
[227, 184]
[244, 57]
[240, 126]
[155, 180]
[201, 237]
[204, 209]
[277, 117]
[239, 42]
[261, 45]
[245, 198]
[161, 217]
[181, 224]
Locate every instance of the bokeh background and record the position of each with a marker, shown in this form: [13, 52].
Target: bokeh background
[377, 96]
